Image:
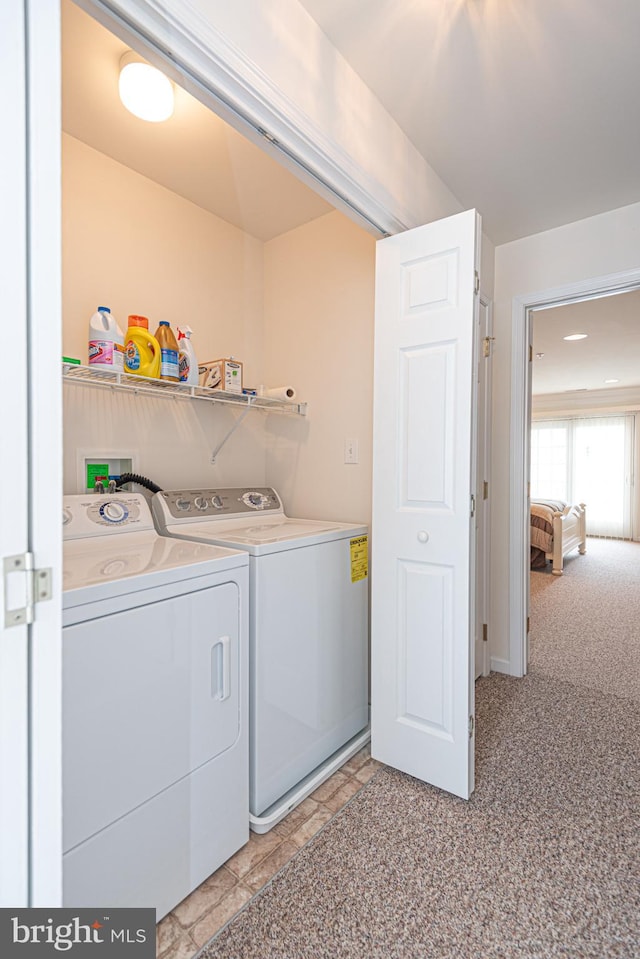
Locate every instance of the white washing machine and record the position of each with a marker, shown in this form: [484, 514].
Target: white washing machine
[308, 638]
[155, 707]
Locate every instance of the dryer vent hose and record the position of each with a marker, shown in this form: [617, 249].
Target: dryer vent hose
[140, 480]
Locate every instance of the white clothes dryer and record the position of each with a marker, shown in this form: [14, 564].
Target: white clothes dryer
[155, 707]
[308, 636]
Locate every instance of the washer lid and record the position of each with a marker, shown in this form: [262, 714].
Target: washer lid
[271, 535]
[99, 568]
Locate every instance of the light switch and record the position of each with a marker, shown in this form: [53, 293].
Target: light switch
[351, 451]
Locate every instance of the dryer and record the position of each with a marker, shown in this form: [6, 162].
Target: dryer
[308, 635]
[155, 698]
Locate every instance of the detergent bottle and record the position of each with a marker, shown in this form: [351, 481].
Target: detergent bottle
[169, 346]
[187, 362]
[142, 350]
[106, 343]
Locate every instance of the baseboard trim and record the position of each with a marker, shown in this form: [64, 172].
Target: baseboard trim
[500, 666]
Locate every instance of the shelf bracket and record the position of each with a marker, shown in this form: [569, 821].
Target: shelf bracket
[229, 434]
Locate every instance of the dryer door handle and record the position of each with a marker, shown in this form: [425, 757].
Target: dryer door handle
[221, 669]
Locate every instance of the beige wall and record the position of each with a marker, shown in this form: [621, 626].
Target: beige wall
[319, 294]
[138, 248]
[297, 310]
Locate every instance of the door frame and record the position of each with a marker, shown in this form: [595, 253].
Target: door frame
[31, 483]
[483, 506]
[522, 307]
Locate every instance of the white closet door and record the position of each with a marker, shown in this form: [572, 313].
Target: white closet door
[423, 577]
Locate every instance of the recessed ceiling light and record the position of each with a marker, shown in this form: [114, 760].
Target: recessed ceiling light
[612, 381]
[576, 336]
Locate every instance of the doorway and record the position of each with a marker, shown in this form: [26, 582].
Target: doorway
[524, 309]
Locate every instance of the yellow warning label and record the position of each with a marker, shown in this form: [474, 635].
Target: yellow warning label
[359, 558]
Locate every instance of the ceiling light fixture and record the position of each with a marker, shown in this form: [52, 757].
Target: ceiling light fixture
[539, 356]
[576, 336]
[612, 381]
[144, 90]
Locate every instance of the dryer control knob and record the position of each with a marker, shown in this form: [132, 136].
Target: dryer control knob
[200, 502]
[183, 504]
[217, 502]
[255, 500]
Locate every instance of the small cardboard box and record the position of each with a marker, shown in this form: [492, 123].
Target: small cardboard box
[223, 374]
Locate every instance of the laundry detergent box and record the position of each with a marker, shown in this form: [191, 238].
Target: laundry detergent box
[223, 374]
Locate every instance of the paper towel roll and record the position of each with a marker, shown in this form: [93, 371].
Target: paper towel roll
[281, 393]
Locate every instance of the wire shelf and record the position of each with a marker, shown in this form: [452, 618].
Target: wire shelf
[129, 383]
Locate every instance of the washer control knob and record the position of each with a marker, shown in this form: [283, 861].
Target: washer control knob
[184, 505]
[217, 501]
[67, 516]
[114, 512]
[200, 502]
[423, 536]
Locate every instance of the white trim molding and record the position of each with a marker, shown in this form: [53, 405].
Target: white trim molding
[522, 306]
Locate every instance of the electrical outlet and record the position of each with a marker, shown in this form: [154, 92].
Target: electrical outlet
[351, 451]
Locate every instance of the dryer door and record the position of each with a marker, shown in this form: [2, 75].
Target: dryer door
[150, 694]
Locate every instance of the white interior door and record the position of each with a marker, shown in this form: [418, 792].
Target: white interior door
[423, 575]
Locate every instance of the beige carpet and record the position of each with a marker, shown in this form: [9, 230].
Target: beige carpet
[542, 862]
[585, 624]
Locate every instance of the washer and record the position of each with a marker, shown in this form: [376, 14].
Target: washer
[308, 635]
[155, 701]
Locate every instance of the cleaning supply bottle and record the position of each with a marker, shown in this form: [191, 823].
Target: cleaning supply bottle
[187, 362]
[142, 350]
[169, 346]
[106, 343]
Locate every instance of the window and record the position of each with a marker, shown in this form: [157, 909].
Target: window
[586, 460]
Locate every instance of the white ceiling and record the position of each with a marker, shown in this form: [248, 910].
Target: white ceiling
[529, 110]
[611, 350]
[194, 153]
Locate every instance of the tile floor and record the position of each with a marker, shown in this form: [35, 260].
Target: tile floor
[197, 918]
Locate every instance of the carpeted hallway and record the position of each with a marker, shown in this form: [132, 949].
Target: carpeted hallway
[543, 861]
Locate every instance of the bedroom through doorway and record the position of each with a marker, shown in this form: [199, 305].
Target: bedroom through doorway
[584, 453]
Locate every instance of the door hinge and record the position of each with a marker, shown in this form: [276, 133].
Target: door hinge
[486, 345]
[471, 726]
[530, 353]
[476, 282]
[528, 624]
[35, 587]
[485, 490]
[473, 505]
[485, 633]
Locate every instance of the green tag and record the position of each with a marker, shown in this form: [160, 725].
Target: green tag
[97, 471]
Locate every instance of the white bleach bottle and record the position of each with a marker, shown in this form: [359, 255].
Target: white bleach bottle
[187, 362]
[106, 342]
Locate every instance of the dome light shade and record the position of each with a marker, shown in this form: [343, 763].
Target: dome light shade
[144, 90]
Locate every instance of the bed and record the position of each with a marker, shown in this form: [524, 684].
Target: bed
[557, 528]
